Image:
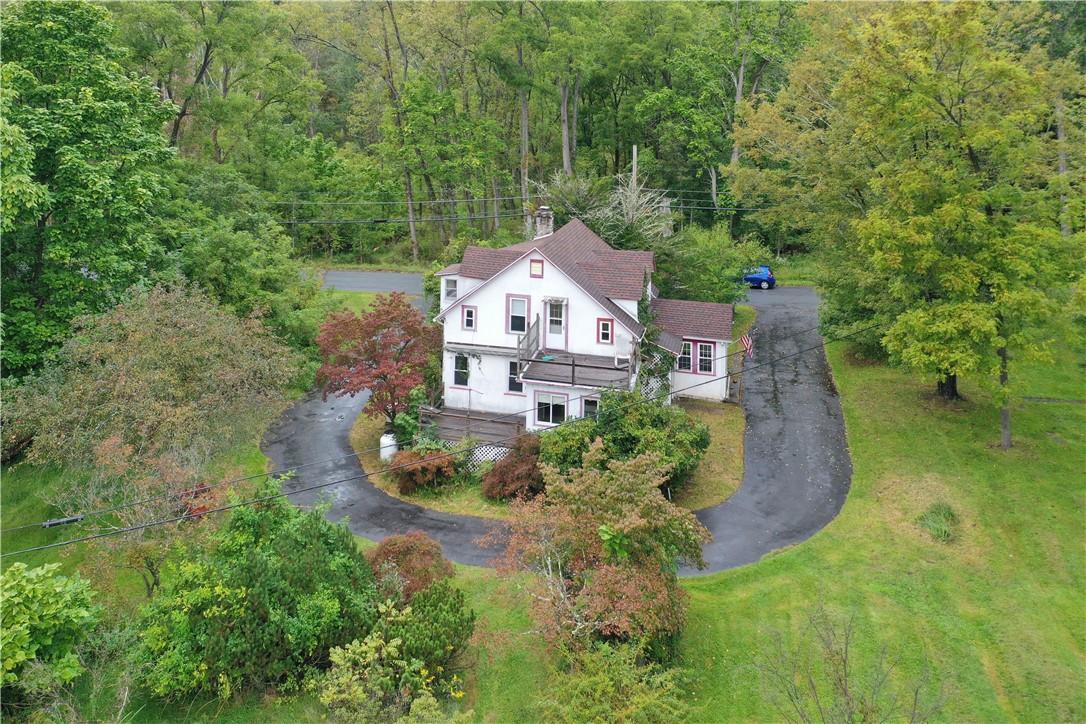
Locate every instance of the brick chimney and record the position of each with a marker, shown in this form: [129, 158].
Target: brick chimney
[544, 222]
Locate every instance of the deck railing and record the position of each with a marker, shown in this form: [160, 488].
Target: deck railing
[528, 344]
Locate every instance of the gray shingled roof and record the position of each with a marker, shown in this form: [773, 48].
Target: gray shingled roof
[603, 272]
[697, 320]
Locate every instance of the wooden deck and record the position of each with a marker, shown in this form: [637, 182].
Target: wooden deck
[583, 370]
[453, 424]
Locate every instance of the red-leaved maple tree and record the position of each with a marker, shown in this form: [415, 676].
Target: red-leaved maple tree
[384, 351]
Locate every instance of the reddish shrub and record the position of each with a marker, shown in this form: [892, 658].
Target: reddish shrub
[417, 558]
[517, 474]
[412, 470]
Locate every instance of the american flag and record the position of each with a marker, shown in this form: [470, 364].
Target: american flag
[748, 345]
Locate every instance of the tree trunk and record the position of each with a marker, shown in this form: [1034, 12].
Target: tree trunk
[497, 204]
[948, 388]
[567, 160]
[1061, 156]
[523, 92]
[175, 131]
[573, 130]
[739, 81]
[712, 185]
[410, 193]
[1004, 408]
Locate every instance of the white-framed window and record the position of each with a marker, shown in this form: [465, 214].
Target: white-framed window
[460, 370]
[556, 317]
[605, 330]
[685, 363]
[450, 290]
[535, 267]
[518, 315]
[468, 316]
[515, 385]
[550, 409]
[590, 407]
[706, 353]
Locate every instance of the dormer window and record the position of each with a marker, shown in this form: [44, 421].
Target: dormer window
[450, 290]
[536, 268]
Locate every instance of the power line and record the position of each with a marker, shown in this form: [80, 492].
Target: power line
[405, 220]
[317, 486]
[204, 487]
[429, 202]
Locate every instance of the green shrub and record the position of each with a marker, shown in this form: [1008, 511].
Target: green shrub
[438, 625]
[422, 468]
[414, 557]
[403, 660]
[630, 426]
[373, 680]
[517, 474]
[940, 521]
[45, 616]
[276, 590]
[564, 446]
[609, 683]
[406, 424]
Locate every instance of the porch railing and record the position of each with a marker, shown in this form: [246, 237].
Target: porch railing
[528, 344]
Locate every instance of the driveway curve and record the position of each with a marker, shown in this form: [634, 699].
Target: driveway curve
[796, 464]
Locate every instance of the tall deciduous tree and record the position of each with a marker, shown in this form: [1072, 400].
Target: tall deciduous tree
[142, 400]
[86, 147]
[933, 138]
[384, 351]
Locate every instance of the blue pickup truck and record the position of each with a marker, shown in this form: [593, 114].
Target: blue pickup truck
[762, 277]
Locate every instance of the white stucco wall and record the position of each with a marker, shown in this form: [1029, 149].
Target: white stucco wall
[717, 389]
[487, 388]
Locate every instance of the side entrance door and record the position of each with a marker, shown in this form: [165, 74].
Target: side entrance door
[556, 325]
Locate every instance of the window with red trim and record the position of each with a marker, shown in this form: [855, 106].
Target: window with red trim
[706, 353]
[685, 363]
[605, 330]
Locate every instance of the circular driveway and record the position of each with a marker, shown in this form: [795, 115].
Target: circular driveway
[796, 470]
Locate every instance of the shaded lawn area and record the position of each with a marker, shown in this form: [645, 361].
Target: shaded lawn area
[460, 499]
[997, 614]
[720, 472]
[357, 302]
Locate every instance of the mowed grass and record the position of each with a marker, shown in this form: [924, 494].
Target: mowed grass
[357, 302]
[720, 472]
[796, 270]
[995, 617]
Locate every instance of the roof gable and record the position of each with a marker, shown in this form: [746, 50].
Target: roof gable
[587, 260]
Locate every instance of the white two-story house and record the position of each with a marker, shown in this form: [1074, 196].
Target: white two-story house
[535, 331]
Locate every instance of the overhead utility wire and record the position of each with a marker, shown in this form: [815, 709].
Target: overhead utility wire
[202, 488]
[317, 486]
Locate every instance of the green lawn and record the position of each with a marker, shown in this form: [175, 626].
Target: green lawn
[357, 302]
[996, 616]
[795, 270]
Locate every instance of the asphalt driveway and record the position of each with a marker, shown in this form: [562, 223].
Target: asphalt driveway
[796, 464]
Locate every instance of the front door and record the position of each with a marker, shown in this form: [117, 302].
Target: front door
[555, 325]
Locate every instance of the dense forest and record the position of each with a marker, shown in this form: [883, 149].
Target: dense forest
[224, 141]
